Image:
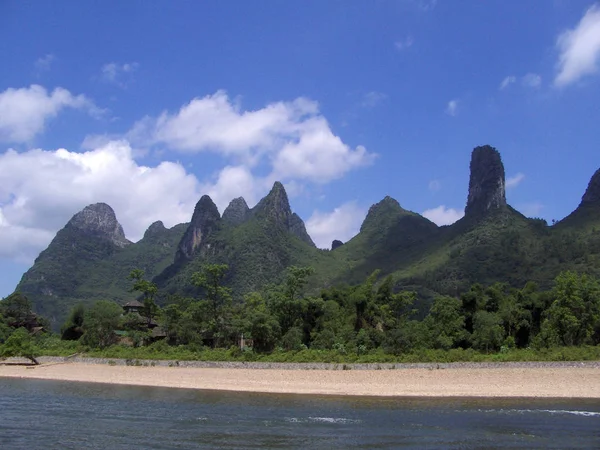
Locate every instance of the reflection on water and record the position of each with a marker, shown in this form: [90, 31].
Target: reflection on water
[48, 414]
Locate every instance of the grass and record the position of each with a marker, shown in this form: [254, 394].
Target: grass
[162, 351]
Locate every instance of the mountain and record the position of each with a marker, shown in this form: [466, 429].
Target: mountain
[258, 244]
[90, 258]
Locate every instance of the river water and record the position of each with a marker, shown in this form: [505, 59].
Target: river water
[60, 415]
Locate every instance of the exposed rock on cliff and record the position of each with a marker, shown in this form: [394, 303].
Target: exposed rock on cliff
[204, 221]
[99, 220]
[237, 211]
[335, 244]
[486, 184]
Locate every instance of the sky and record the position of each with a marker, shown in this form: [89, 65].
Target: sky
[148, 105]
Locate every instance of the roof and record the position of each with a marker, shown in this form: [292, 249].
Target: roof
[133, 304]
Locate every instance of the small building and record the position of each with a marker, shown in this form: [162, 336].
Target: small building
[133, 307]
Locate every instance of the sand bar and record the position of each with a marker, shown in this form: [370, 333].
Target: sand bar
[576, 382]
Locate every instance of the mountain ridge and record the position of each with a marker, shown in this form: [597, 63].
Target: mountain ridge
[90, 257]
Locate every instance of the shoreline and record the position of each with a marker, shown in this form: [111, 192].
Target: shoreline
[477, 380]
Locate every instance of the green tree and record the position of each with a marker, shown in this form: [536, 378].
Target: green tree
[72, 329]
[446, 322]
[218, 297]
[148, 290]
[285, 301]
[575, 312]
[19, 344]
[100, 323]
[16, 309]
[488, 333]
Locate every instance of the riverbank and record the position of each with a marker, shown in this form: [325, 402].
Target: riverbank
[559, 380]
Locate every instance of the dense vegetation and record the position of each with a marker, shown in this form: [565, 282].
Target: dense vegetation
[368, 322]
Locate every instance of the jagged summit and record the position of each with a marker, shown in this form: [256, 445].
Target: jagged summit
[204, 220]
[336, 243]
[379, 211]
[275, 207]
[487, 182]
[592, 193]
[237, 211]
[154, 229]
[100, 220]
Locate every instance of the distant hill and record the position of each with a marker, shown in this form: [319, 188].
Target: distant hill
[90, 257]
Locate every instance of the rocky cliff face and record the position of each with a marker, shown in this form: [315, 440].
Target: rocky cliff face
[336, 243]
[592, 193]
[486, 184]
[204, 221]
[275, 207]
[156, 229]
[99, 220]
[237, 212]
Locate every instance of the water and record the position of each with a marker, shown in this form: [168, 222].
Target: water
[59, 415]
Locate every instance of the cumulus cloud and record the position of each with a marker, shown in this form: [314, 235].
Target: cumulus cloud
[579, 49]
[508, 81]
[342, 223]
[119, 74]
[442, 215]
[404, 43]
[293, 136]
[41, 190]
[25, 111]
[515, 180]
[235, 181]
[452, 108]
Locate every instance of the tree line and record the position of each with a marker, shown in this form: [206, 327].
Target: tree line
[361, 318]
[369, 317]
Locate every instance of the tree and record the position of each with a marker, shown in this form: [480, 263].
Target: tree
[446, 322]
[285, 300]
[100, 323]
[488, 333]
[72, 329]
[218, 296]
[16, 308]
[575, 312]
[148, 290]
[19, 343]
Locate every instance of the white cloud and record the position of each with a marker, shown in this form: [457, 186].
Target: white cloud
[233, 182]
[119, 74]
[531, 209]
[25, 111]
[293, 136]
[435, 185]
[342, 223]
[41, 190]
[532, 80]
[442, 215]
[579, 49]
[45, 62]
[515, 180]
[404, 43]
[318, 155]
[372, 99]
[508, 81]
[452, 108]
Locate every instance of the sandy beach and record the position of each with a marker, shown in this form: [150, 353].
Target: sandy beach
[576, 382]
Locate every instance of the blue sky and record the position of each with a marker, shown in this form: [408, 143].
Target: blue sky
[149, 105]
